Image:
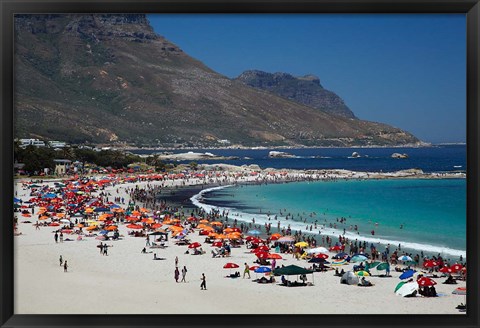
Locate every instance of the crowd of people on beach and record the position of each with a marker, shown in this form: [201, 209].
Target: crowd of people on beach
[144, 207]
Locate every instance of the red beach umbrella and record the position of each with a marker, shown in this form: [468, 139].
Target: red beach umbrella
[335, 248]
[274, 256]
[194, 245]
[431, 263]
[262, 255]
[322, 256]
[445, 269]
[230, 265]
[217, 244]
[457, 267]
[424, 281]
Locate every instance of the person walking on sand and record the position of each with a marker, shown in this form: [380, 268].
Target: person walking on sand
[61, 237]
[61, 260]
[56, 237]
[184, 273]
[176, 261]
[65, 266]
[246, 271]
[147, 241]
[176, 274]
[203, 285]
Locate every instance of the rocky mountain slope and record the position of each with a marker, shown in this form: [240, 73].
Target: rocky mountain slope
[112, 79]
[305, 90]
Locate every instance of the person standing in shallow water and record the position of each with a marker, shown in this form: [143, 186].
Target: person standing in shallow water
[203, 285]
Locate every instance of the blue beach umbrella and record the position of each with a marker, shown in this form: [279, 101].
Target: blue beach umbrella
[339, 256]
[103, 232]
[17, 200]
[263, 269]
[101, 209]
[405, 258]
[49, 195]
[407, 274]
[358, 258]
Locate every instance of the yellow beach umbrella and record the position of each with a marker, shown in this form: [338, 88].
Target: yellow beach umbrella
[301, 244]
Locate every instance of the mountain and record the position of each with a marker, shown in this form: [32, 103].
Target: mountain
[305, 90]
[109, 78]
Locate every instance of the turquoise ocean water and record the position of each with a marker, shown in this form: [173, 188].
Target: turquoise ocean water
[432, 212]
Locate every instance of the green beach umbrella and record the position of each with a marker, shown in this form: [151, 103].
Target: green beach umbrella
[400, 284]
[371, 265]
[383, 266]
[362, 273]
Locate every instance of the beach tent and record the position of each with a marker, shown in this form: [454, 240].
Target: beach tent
[349, 278]
[292, 270]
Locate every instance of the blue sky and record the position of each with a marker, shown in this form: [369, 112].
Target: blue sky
[408, 71]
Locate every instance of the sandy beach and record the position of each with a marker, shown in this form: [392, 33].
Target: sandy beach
[129, 282]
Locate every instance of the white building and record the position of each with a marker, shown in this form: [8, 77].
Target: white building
[31, 142]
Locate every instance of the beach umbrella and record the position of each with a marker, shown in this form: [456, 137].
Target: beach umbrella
[339, 255]
[373, 264]
[43, 217]
[456, 267]
[335, 248]
[286, 239]
[431, 263]
[445, 269]
[16, 200]
[405, 258]
[339, 262]
[460, 291]
[103, 232]
[54, 224]
[262, 255]
[316, 250]
[134, 226]
[217, 244]
[407, 274]
[322, 256]
[260, 249]
[111, 228]
[318, 260]
[194, 245]
[407, 289]
[216, 223]
[358, 258]
[424, 281]
[274, 256]
[400, 284]
[262, 269]
[203, 221]
[301, 244]
[230, 265]
[383, 266]
[362, 273]
[65, 221]
[253, 268]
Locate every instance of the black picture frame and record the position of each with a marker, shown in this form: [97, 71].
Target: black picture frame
[9, 7]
